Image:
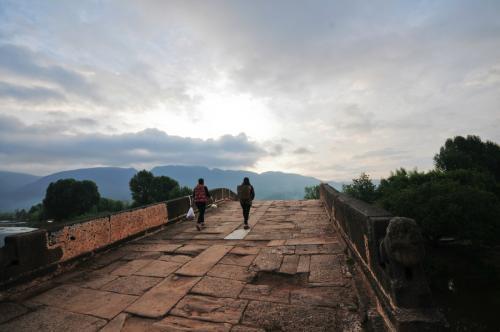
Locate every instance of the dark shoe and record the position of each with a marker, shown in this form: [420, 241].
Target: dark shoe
[246, 227]
[203, 225]
[198, 227]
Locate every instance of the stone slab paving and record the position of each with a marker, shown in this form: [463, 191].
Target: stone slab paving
[284, 317]
[131, 267]
[158, 268]
[9, 310]
[304, 263]
[240, 260]
[161, 298]
[53, 319]
[96, 281]
[287, 273]
[214, 309]
[289, 264]
[204, 261]
[233, 272]
[133, 285]
[266, 293]
[173, 323]
[86, 301]
[213, 286]
[237, 234]
[116, 324]
[175, 258]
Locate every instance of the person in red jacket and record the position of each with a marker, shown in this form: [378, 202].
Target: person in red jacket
[201, 197]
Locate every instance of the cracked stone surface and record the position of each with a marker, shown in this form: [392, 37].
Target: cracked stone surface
[215, 309]
[133, 285]
[173, 323]
[287, 273]
[218, 287]
[53, 319]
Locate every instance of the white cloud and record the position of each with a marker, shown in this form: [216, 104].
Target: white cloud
[337, 80]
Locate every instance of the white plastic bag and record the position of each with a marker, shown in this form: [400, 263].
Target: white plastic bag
[190, 214]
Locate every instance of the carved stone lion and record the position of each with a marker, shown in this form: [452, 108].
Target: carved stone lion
[403, 243]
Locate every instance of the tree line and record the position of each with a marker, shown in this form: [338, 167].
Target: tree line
[459, 198]
[68, 199]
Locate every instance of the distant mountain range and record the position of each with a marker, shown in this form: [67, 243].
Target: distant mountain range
[268, 185]
[25, 190]
[19, 190]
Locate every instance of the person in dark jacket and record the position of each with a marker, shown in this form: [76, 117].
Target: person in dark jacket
[201, 197]
[246, 194]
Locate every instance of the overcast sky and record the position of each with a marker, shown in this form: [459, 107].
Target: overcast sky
[321, 88]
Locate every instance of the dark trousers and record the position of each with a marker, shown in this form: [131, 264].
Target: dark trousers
[201, 212]
[246, 210]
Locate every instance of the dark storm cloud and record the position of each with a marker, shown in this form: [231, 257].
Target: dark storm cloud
[20, 144]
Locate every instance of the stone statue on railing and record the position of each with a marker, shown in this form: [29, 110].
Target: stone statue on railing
[401, 253]
[403, 243]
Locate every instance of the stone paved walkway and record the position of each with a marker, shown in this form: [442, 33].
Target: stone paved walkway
[287, 273]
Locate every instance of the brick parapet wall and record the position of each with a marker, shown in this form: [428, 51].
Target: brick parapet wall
[25, 254]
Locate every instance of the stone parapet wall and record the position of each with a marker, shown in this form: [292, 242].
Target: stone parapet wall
[80, 238]
[42, 250]
[391, 263]
[83, 237]
[124, 225]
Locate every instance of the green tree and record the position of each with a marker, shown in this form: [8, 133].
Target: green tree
[141, 186]
[469, 153]
[180, 192]
[36, 212]
[361, 188]
[457, 204]
[110, 205]
[311, 192]
[68, 198]
[163, 187]
[147, 188]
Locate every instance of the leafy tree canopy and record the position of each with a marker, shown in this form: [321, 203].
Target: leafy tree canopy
[459, 199]
[147, 188]
[469, 153]
[458, 204]
[68, 197]
[311, 192]
[361, 188]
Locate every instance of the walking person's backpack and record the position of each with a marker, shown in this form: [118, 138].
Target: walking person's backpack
[245, 192]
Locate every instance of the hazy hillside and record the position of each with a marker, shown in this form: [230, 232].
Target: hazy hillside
[111, 181]
[24, 190]
[268, 185]
[11, 180]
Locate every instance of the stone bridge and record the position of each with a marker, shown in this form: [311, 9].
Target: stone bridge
[314, 265]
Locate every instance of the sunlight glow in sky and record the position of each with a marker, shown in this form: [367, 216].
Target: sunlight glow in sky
[322, 88]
